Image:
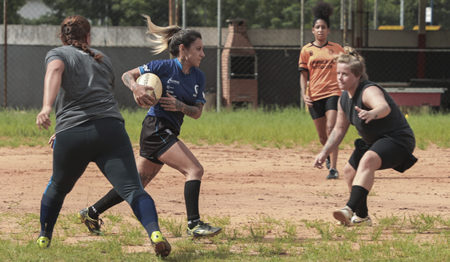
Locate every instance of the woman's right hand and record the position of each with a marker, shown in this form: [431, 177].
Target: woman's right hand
[43, 118]
[143, 95]
[307, 100]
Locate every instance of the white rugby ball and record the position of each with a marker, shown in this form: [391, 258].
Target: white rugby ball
[152, 80]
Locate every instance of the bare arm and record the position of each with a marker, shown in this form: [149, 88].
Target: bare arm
[143, 99]
[373, 98]
[335, 138]
[52, 84]
[170, 103]
[303, 87]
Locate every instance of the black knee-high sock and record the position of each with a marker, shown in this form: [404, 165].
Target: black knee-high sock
[356, 196]
[362, 210]
[191, 194]
[111, 199]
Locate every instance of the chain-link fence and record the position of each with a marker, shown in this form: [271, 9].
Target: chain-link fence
[268, 74]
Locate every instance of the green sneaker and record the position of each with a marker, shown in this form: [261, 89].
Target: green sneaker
[43, 242]
[160, 244]
[92, 224]
[203, 230]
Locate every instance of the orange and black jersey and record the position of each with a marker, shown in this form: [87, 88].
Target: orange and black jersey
[321, 66]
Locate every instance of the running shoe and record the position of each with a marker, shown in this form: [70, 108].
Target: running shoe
[358, 221]
[334, 174]
[92, 224]
[343, 215]
[203, 230]
[43, 242]
[161, 246]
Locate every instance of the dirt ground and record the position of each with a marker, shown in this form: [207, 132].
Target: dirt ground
[242, 183]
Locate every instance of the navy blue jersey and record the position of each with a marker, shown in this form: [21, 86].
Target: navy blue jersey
[188, 88]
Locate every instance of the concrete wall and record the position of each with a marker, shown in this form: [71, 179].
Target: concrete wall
[136, 37]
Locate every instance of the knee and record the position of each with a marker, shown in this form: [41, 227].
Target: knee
[329, 129]
[195, 173]
[370, 161]
[323, 139]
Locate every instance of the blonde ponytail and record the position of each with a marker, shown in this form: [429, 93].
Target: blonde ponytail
[170, 37]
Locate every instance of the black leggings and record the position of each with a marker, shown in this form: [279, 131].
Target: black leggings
[103, 141]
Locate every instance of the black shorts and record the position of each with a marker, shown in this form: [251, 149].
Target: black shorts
[157, 136]
[320, 107]
[392, 154]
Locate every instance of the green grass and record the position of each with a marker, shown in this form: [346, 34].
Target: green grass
[281, 128]
[416, 238]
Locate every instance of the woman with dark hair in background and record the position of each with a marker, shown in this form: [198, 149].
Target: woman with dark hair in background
[183, 86]
[316, 64]
[89, 128]
[387, 141]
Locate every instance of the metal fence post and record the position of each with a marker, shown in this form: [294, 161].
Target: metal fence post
[219, 57]
[5, 52]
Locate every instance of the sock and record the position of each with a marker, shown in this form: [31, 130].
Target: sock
[50, 209]
[356, 196]
[145, 211]
[111, 199]
[193, 223]
[362, 211]
[92, 212]
[191, 195]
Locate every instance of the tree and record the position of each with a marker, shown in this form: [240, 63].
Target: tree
[12, 16]
[107, 12]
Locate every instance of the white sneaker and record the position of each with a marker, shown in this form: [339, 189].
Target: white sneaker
[343, 215]
[359, 221]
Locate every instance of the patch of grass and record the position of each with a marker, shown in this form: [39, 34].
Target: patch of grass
[174, 226]
[271, 240]
[278, 128]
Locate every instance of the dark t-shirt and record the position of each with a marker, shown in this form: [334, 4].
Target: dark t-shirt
[394, 125]
[86, 89]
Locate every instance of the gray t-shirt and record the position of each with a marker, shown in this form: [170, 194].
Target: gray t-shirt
[86, 89]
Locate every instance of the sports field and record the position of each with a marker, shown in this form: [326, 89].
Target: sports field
[273, 204]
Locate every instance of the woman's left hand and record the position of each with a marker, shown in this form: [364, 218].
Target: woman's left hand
[170, 103]
[365, 115]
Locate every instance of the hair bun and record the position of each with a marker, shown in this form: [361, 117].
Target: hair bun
[322, 10]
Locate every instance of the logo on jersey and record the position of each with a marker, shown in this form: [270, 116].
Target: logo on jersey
[195, 90]
[171, 81]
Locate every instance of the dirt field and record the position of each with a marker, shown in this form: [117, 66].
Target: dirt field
[242, 183]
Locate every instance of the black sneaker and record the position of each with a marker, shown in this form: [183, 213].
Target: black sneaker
[92, 224]
[334, 174]
[203, 230]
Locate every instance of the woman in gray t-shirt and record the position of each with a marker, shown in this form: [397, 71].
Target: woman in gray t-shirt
[89, 128]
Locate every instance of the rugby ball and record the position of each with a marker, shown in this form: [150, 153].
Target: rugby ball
[152, 80]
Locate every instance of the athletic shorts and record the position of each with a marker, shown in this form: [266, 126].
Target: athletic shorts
[157, 136]
[320, 107]
[392, 154]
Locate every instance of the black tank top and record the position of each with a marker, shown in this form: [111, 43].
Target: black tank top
[394, 125]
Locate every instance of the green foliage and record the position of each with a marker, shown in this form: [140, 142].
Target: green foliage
[279, 128]
[11, 11]
[258, 13]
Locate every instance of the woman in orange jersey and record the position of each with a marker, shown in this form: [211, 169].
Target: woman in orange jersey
[316, 64]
